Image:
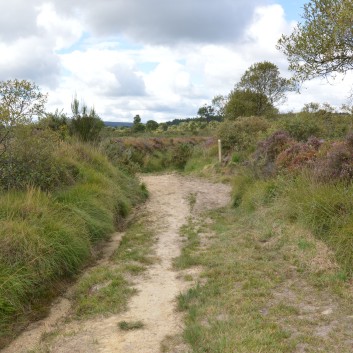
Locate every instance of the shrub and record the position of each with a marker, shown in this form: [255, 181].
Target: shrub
[181, 154]
[337, 163]
[268, 150]
[34, 159]
[298, 155]
[86, 126]
[302, 126]
[243, 133]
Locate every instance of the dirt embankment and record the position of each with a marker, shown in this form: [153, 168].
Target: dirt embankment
[169, 207]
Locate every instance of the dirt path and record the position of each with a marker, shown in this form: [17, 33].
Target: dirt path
[169, 207]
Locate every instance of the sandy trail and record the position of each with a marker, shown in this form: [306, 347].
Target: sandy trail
[154, 304]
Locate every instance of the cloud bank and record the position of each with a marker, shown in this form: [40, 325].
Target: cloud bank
[159, 59]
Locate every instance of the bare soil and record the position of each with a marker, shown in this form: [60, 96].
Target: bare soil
[173, 199]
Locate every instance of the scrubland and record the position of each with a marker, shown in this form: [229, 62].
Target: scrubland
[285, 241]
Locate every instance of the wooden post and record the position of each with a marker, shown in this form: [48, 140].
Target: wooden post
[220, 151]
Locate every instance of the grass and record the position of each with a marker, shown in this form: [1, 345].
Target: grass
[128, 326]
[47, 237]
[327, 210]
[105, 289]
[265, 285]
[188, 255]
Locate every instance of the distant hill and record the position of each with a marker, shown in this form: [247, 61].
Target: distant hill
[117, 123]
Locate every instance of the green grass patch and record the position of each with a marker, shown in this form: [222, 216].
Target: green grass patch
[105, 289]
[188, 257]
[133, 325]
[248, 302]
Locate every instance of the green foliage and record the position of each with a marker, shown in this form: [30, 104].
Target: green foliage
[213, 111]
[247, 103]
[20, 101]
[151, 125]
[138, 126]
[133, 325]
[203, 159]
[302, 126]
[243, 133]
[181, 154]
[113, 294]
[326, 209]
[322, 44]
[240, 183]
[314, 121]
[58, 122]
[150, 154]
[264, 78]
[34, 159]
[86, 126]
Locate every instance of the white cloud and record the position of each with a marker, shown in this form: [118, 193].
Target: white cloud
[30, 58]
[17, 19]
[63, 31]
[169, 21]
[161, 60]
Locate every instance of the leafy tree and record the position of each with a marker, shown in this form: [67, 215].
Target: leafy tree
[57, 121]
[213, 112]
[137, 119]
[137, 125]
[151, 125]
[323, 43]
[247, 103]
[206, 112]
[85, 125]
[219, 102]
[264, 79]
[311, 107]
[163, 127]
[20, 102]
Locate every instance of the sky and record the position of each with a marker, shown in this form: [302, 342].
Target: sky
[161, 59]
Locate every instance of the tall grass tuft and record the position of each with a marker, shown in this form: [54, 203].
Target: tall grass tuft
[327, 210]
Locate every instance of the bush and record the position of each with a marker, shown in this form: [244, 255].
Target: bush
[33, 158]
[298, 155]
[302, 126]
[181, 154]
[243, 133]
[337, 163]
[268, 150]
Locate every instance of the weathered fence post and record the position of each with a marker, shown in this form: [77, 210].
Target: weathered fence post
[220, 151]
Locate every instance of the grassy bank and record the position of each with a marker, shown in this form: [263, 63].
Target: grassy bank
[47, 236]
[267, 284]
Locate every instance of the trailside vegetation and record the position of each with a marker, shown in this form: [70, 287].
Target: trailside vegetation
[59, 196]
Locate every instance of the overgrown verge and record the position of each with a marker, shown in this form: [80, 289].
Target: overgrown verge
[48, 235]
